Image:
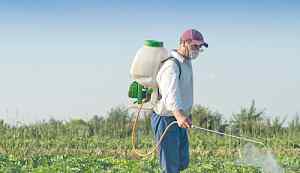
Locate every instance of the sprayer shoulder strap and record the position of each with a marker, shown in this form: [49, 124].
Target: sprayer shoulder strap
[176, 61]
[179, 67]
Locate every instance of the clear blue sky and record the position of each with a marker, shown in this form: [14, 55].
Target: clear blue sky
[71, 58]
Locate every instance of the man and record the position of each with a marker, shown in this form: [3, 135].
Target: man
[175, 81]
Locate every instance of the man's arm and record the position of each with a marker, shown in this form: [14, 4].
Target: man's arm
[169, 85]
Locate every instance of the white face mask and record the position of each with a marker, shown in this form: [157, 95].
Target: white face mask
[193, 54]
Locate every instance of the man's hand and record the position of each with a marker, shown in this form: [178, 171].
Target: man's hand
[183, 121]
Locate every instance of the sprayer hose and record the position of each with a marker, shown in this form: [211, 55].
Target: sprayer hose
[133, 136]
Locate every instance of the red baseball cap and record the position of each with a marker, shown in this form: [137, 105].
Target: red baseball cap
[195, 36]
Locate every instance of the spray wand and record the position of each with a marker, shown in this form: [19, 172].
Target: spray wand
[232, 136]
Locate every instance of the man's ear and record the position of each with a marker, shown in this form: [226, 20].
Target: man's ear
[183, 44]
[187, 42]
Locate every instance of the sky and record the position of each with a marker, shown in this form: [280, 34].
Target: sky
[71, 59]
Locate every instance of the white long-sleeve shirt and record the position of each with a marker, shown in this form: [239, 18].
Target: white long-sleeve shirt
[176, 93]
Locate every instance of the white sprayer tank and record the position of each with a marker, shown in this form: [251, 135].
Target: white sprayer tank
[146, 63]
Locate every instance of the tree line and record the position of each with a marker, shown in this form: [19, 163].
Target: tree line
[118, 122]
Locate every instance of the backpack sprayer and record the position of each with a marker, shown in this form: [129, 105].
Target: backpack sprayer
[143, 71]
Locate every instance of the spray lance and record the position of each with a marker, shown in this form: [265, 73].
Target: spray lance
[144, 68]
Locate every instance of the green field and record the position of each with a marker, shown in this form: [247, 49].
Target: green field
[104, 145]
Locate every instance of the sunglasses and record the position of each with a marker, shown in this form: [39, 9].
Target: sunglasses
[196, 47]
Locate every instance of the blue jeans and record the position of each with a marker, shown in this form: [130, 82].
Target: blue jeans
[174, 148]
